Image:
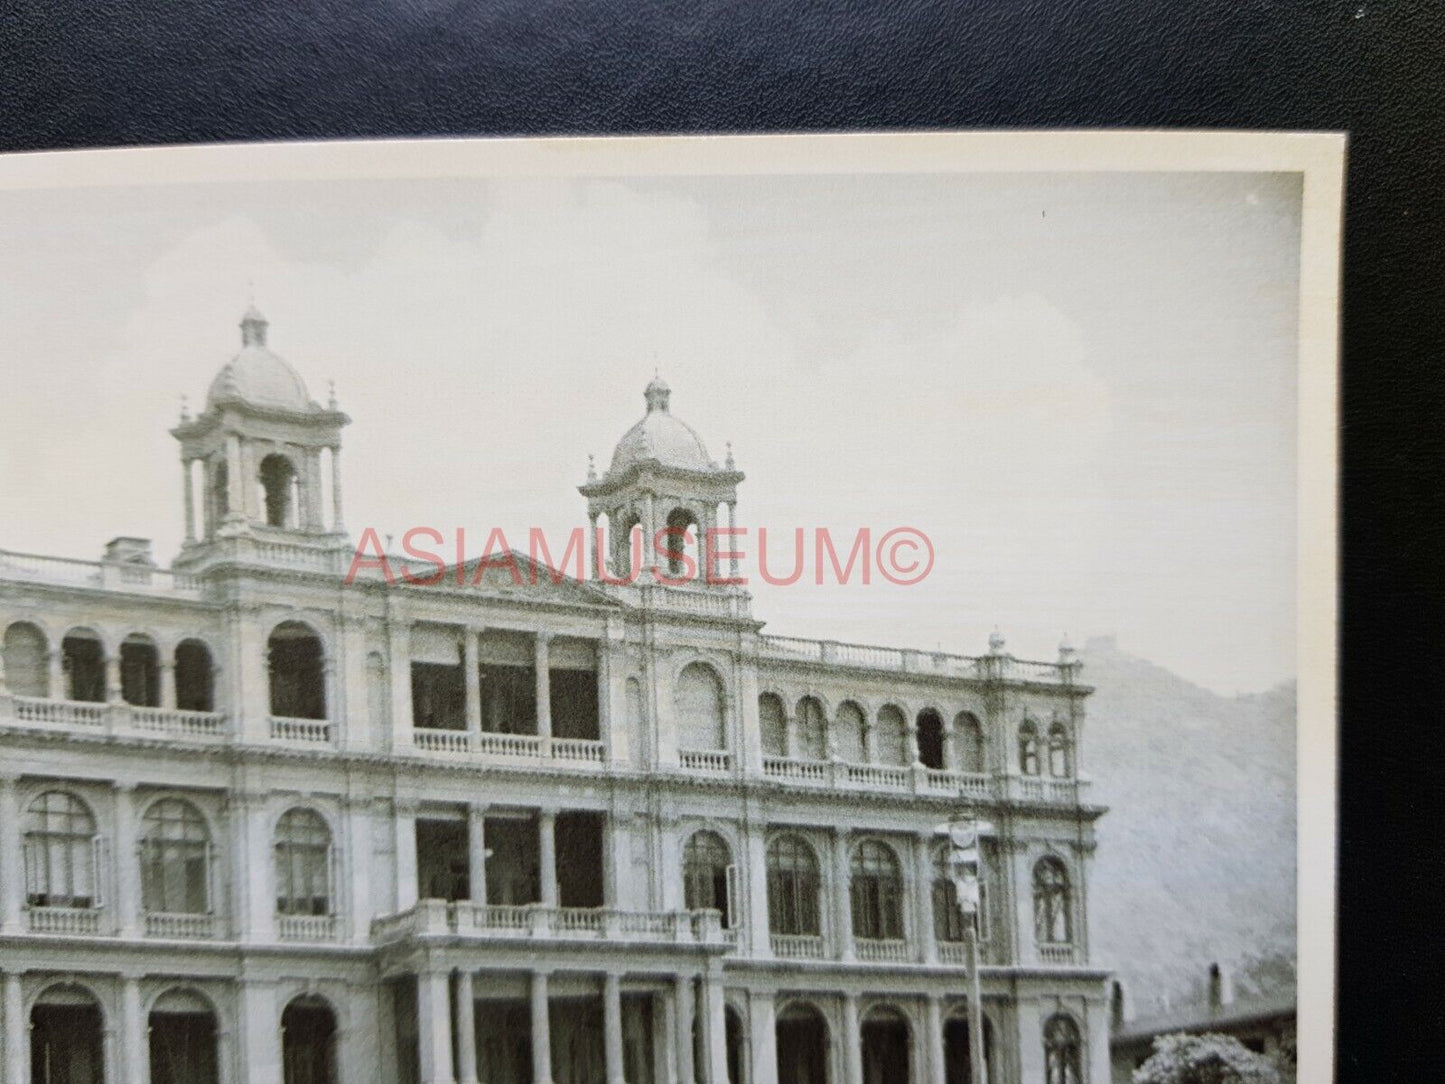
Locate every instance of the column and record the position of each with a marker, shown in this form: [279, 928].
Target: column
[544, 686]
[914, 756]
[649, 544]
[399, 634]
[133, 1045]
[261, 1033]
[950, 755]
[541, 1031]
[547, 855]
[790, 732]
[477, 852]
[17, 1030]
[434, 1027]
[933, 1037]
[311, 515]
[189, 493]
[257, 870]
[361, 865]
[466, 1029]
[404, 824]
[112, 677]
[853, 1042]
[923, 898]
[763, 1025]
[12, 874]
[235, 483]
[592, 546]
[757, 890]
[168, 683]
[612, 1027]
[732, 540]
[127, 862]
[839, 890]
[682, 1019]
[58, 689]
[714, 1030]
[472, 681]
[1030, 1040]
[337, 524]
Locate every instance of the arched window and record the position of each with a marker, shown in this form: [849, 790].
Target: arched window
[175, 859]
[298, 681]
[195, 677]
[84, 660]
[773, 725]
[892, 738]
[1059, 758]
[968, 734]
[930, 739]
[949, 922]
[681, 538]
[792, 888]
[308, 1042]
[27, 665]
[1029, 748]
[67, 1030]
[876, 892]
[278, 485]
[303, 864]
[140, 672]
[848, 729]
[705, 862]
[812, 730]
[62, 859]
[1053, 921]
[1061, 1050]
[182, 1029]
[700, 708]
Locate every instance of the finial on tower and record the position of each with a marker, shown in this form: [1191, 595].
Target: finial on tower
[185, 408]
[729, 462]
[331, 403]
[657, 394]
[1067, 655]
[591, 467]
[253, 328]
[995, 642]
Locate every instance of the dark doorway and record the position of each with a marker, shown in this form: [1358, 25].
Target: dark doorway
[65, 1044]
[195, 679]
[802, 1048]
[504, 1042]
[885, 1051]
[956, 1060]
[736, 1047]
[183, 1048]
[442, 868]
[579, 859]
[84, 659]
[513, 868]
[308, 1042]
[930, 739]
[298, 682]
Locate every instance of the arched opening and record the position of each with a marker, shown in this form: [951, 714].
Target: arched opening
[812, 730]
[27, 660]
[278, 490]
[949, 921]
[968, 736]
[1053, 919]
[802, 1041]
[1060, 766]
[183, 1040]
[308, 1042]
[1029, 748]
[303, 863]
[626, 546]
[62, 866]
[930, 739]
[680, 545]
[175, 853]
[736, 1046]
[700, 709]
[772, 725]
[140, 672]
[705, 863]
[1062, 1050]
[792, 888]
[84, 661]
[876, 892]
[1118, 1011]
[892, 741]
[957, 1054]
[195, 677]
[66, 1027]
[885, 1048]
[848, 732]
[296, 661]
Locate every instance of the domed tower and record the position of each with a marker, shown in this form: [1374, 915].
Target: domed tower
[662, 479]
[255, 454]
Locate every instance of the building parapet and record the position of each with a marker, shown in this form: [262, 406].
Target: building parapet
[835, 653]
[535, 922]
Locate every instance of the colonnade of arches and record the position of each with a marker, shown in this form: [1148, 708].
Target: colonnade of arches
[859, 736]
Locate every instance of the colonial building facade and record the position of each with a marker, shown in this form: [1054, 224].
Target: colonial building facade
[262, 821]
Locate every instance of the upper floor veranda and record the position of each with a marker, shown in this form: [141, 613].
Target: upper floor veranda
[270, 649]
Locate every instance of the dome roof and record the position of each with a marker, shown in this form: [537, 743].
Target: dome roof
[660, 437]
[259, 377]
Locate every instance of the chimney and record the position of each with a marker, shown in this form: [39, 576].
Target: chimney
[129, 551]
[1221, 988]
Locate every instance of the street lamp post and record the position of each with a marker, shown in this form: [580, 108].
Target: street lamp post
[963, 865]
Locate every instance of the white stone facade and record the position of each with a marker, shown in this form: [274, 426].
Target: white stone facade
[492, 880]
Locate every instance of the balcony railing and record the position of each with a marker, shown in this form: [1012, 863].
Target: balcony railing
[180, 927]
[96, 575]
[797, 946]
[310, 928]
[462, 743]
[185, 724]
[880, 950]
[537, 923]
[79, 713]
[1056, 954]
[308, 731]
[74, 921]
[705, 760]
[906, 661]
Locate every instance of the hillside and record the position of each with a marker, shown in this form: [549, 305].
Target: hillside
[1196, 858]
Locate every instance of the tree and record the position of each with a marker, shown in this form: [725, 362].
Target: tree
[1204, 1059]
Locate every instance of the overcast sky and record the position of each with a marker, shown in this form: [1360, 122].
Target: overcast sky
[1081, 387]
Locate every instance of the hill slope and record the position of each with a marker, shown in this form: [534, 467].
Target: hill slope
[1196, 858]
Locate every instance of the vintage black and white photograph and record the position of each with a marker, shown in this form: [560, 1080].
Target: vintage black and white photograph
[793, 610]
